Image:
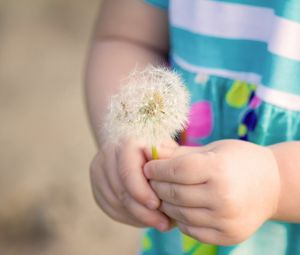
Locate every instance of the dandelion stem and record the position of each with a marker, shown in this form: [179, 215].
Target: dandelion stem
[154, 153]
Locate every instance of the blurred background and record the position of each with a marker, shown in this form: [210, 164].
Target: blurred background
[46, 205]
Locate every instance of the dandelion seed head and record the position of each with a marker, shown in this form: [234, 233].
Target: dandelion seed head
[151, 106]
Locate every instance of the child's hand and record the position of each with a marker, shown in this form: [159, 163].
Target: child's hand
[220, 193]
[121, 189]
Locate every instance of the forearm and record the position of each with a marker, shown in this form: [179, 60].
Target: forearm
[288, 159]
[111, 61]
[129, 34]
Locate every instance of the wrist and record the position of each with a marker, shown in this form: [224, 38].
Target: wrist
[275, 214]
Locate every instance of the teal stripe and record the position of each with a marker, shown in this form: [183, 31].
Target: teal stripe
[289, 9]
[163, 4]
[256, 3]
[282, 74]
[238, 55]
[214, 52]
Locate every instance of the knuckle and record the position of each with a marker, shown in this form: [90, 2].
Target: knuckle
[117, 205]
[228, 201]
[114, 215]
[187, 232]
[232, 233]
[124, 174]
[181, 212]
[224, 225]
[123, 197]
[173, 193]
[172, 172]
[231, 208]
[111, 212]
[185, 229]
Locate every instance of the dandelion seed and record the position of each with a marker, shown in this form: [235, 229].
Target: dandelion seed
[152, 106]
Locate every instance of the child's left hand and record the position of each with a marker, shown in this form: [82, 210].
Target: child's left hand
[220, 193]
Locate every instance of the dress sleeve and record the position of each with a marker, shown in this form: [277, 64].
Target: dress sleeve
[163, 4]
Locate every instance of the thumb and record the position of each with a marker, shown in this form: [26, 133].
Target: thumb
[171, 149]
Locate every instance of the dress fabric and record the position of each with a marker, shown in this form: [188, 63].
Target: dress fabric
[240, 61]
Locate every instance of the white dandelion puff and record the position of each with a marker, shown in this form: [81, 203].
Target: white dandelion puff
[152, 106]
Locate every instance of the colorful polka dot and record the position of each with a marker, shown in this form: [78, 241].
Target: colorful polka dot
[147, 243]
[193, 247]
[238, 95]
[250, 120]
[255, 102]
[242, 130]
[200, 120]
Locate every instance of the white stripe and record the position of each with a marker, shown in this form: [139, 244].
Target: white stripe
[237, 21]
[243, 76]
[279, 98]
[275, 97]
[285, 41]
[219, 19]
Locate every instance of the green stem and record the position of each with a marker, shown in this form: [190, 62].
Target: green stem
[154, 153]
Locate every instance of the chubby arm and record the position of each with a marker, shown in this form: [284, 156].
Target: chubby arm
[129, 34]
[288, 160]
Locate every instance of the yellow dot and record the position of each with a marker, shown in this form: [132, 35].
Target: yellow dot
[238, 94]
[147, 244]
[242, 130]
[252, 87]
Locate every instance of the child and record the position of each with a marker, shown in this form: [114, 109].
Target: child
[241, 63]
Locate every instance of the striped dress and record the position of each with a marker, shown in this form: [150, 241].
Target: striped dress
[241, 63]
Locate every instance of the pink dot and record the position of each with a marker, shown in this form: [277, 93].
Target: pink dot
[255, 102]
[200, 120]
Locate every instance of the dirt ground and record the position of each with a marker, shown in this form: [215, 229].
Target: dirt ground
[46, 206]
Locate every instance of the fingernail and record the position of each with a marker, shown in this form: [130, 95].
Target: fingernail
[163, 226]
[152, 205]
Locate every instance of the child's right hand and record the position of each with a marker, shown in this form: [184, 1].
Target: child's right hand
[121, 189]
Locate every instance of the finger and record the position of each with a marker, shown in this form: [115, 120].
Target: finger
[101, 186]
[165, 150]
[130, 164]
[119, 215]
[146, 216]
[114, 179]
[122, 203]
[183, 195]
[204, 235]
[171, 149]
[111, 172]
[106, 200]
[186, 169]
[200, 217]
[151, 218]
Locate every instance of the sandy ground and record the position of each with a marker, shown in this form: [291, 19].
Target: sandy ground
[46, 206]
